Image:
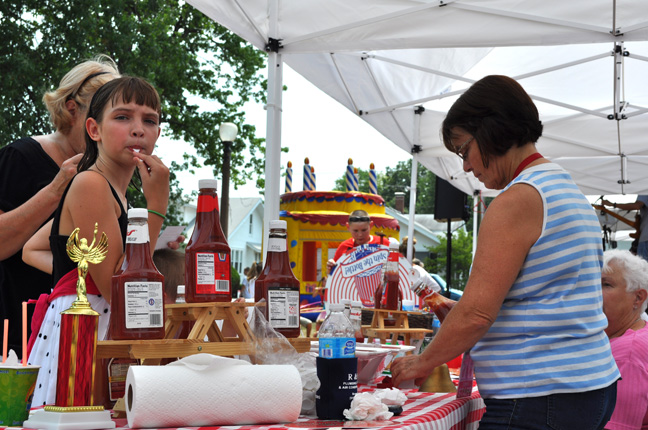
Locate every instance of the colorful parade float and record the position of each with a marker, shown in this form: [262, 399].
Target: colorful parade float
[317, 223]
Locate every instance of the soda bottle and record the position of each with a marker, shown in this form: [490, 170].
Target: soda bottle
[207, 257]
[437, 303]
[277, 284]
[356, 320]
[137, 298]
[337, 366]
[391, 293]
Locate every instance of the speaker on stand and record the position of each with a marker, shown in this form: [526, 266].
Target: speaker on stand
[450, 204]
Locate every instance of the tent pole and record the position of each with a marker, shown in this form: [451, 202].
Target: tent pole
[273, 130]
[476, 219]
[416, 148]
[412, 208]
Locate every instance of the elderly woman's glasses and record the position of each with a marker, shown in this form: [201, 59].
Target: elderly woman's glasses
[459, 150]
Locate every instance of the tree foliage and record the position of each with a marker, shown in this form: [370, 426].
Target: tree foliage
[186, 56]
[460, 262]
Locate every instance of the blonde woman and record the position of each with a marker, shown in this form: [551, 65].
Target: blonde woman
[34, 172]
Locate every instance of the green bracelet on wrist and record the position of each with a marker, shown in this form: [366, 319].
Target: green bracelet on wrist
[157, 213]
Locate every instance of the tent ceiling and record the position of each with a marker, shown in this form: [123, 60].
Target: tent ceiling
[385, 59]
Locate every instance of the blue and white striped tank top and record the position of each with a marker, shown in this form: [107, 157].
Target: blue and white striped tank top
[548, 336]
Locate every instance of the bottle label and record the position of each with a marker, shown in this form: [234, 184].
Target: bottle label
[276, 244]
[212, 273]
[337, 347]
[117, 372]
[207, 203]
[283, 308]
[137, 234]
[144, 304]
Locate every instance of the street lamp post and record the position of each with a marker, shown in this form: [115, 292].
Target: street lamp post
[227, 132]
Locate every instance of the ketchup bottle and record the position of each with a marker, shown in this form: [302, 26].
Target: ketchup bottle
[207, 257]
[391, 292]
[437, 303]
[137, 298]
[277, 284]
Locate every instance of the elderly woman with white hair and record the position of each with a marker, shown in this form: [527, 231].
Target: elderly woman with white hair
[625, 298]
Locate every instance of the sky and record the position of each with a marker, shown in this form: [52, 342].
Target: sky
[313, 125]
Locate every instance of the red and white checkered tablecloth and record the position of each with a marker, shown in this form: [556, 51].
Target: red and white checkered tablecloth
[422, 411]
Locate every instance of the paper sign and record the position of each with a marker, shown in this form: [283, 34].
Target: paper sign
[169, 234]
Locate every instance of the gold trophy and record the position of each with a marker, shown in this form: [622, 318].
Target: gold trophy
[77, 350]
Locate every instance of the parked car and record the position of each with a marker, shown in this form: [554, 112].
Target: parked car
[454, 293]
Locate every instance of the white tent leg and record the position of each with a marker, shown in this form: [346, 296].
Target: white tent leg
[273, 134]
[416, 148]
[476, 219]
[412, 209]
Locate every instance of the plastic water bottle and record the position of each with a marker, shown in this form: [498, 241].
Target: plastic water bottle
[337, 335]
[337, 365]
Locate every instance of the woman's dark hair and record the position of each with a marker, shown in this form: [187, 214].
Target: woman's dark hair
[126, 89]
[498, 113]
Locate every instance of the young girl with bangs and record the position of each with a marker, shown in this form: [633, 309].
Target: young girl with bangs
[122, 127]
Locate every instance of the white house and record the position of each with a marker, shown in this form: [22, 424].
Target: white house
[425, 238]
[245, 229]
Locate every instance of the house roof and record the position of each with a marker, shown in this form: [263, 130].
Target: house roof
[428, 221]
[239, 210]
[420, 229]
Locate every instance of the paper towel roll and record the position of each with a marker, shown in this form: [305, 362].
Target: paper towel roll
[204, 389]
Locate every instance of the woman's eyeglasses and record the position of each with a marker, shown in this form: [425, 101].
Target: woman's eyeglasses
[459, 150]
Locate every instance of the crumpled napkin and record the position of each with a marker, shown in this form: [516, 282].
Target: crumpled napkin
[374, 406]
[391, 396]
[367, 407]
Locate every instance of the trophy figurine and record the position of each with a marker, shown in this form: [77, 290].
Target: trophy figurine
[79, 326]
[77, 352]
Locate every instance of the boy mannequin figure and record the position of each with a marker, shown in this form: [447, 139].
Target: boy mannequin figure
[359, 225]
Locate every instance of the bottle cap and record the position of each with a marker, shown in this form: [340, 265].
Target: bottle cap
[181, 289]
[393, 246]
[278, 223]
[356, 304]
[137, 213]
[336, 307]
[207, 183]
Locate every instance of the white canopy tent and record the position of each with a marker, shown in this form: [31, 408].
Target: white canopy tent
[399, 64]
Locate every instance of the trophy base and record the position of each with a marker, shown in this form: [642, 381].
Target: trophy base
[71, 420]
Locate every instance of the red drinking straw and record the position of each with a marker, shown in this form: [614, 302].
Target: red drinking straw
[5, 340]
[24, 334]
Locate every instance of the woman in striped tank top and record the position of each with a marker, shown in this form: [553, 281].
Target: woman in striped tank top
[531, 313]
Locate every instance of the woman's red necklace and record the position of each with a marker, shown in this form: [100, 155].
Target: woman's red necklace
[530, 159]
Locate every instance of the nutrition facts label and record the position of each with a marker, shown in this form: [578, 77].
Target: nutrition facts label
[283, 308]
[144, 304]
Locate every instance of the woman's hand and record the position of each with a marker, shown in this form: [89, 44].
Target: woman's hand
[407, 368]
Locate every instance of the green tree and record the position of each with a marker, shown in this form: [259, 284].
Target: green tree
[188, 57]
[460, 261]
